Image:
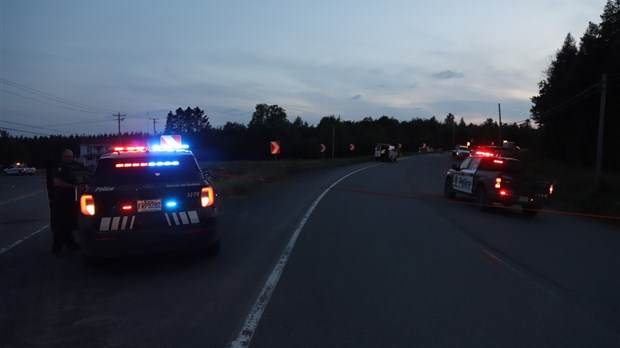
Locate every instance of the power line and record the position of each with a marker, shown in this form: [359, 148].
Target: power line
[27, 125]
[53, 97]
[588, 92]
[23, 131]
[68, 123]
[44, 102]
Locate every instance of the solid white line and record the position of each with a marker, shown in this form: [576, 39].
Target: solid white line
[5, 249]
[244, 337]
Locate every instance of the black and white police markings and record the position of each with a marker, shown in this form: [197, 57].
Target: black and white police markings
[463, 183]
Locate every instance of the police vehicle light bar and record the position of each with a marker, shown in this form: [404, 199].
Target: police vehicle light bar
[168, 143]
[129, 148]
[169, 148]
[147, 164]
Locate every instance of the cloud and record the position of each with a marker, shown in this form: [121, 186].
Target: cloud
[357, 97]
[447, 74]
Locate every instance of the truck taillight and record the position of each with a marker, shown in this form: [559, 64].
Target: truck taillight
[498, 183]
[207, 196]
[87, 205]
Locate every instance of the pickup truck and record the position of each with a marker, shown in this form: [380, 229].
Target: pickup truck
[494, 179]
[19, 169]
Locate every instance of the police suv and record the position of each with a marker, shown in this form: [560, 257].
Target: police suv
[494, 179]
[143, 199]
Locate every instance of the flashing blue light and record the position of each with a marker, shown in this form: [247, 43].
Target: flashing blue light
[168, 148]
[171, 204]
[163, 163]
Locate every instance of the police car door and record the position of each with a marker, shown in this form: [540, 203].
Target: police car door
[464, 179]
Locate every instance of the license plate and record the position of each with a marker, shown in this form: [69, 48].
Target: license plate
[149, 205]
[523, 199]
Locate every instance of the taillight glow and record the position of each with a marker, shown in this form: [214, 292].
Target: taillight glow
[498, 183]
[503, 193]
[126, 207]
[498, 161]
[87, 205]
[207, 196]
[551, 189]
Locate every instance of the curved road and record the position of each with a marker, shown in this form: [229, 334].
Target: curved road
[382, 260]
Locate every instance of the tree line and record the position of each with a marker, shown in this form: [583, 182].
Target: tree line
[298, 139]
[582, 83]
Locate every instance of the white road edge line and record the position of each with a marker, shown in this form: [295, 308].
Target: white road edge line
[244, 337]
[5, 249]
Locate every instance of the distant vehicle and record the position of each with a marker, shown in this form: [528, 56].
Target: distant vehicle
[385, 152]
[510, 149]
[461, 152]
[20, 169]
[147, 200]
[491, 179]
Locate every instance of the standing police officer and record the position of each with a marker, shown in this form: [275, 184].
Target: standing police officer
[64, 206]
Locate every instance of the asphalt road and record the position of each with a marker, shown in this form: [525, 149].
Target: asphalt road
[381, 259]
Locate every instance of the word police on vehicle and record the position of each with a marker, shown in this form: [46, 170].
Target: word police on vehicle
[143, 199]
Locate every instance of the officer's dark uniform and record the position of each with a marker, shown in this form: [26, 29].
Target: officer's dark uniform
[64, 208]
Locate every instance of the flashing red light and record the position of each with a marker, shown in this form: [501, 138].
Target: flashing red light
[126, 207]
[129, 148]
[503, 193]
[483, 153]
[145, 164]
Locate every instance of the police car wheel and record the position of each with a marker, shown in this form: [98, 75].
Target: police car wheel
[482, 202]
[448, 191]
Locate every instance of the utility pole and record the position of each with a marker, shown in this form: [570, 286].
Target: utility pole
[499, 108]
[119, 119]
[154, 121]
[333, 140]
[601, 131]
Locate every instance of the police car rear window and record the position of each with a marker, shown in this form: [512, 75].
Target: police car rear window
[145, 170]
[501, 165]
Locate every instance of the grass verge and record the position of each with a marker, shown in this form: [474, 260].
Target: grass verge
[241, 177]
[575, 188]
